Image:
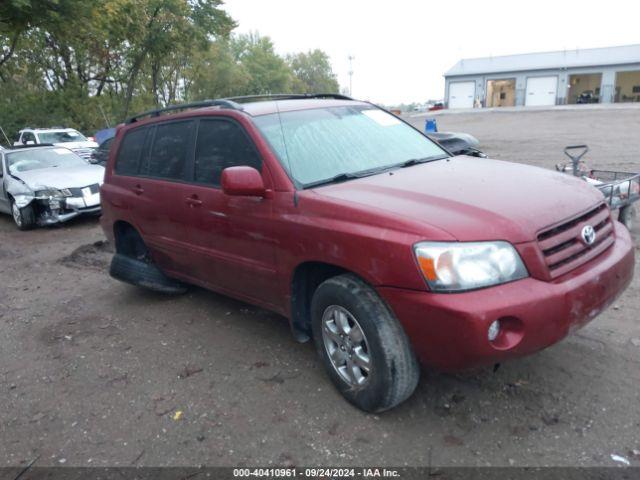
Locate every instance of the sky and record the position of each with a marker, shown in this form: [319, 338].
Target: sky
[403, 47]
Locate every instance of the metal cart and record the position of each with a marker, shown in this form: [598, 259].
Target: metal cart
[620, 189]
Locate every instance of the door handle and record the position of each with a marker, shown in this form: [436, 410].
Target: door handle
[138, 190]
[193, 201]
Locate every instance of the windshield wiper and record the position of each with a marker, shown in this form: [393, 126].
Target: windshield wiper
[416, 161]
[341, 177]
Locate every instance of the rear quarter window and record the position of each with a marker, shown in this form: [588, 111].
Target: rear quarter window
[130, 151]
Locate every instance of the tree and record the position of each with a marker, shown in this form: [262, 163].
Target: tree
[17, 17]
[170, 27]
[312, 73]
[267, 72]
[215, 73]
[89, 63]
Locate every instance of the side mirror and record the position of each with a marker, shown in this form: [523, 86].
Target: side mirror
[242, 181]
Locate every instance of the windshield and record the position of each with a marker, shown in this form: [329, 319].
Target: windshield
[316, 146]
[61, 137]
[42, 158]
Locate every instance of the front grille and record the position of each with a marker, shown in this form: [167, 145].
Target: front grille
[77, 192]
[563, 247]
[84, 152]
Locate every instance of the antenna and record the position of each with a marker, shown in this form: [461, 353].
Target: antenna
[351, 59]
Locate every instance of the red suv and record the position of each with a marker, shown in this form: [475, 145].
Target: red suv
[368, 236]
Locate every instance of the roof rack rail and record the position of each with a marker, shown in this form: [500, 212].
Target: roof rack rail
[288, 96]
[225, 103]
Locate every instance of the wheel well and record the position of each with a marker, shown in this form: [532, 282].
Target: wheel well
[128, 240]
[306, 279]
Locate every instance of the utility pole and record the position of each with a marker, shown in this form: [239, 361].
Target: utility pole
[351, 59]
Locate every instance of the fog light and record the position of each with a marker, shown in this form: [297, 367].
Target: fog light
[494, 330]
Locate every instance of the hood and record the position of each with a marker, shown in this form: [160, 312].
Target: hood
[77, 145]
[473, 198]
[65, 177]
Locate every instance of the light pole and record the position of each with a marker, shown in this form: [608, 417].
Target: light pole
[351, 59]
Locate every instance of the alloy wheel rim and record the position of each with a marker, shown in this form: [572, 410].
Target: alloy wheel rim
[17, 217]
[346, 346]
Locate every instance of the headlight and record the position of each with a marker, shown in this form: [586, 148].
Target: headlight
[458, 266]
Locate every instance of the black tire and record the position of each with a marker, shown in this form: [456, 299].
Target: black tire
[25, 217]
[394, 372]
[143, 274]
[627, 216]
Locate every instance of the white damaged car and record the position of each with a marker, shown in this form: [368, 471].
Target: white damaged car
[46, 185]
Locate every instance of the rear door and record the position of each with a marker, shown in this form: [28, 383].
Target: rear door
[233, 235]
[164, 207]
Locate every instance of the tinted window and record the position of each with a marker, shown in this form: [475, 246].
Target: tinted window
[168, 156]
[222, 144]
[129, 153]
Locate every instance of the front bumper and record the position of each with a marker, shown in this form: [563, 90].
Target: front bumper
[50, 218]
[68, 208]
[449, 331]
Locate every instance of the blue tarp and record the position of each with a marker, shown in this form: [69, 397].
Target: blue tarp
[105, 134]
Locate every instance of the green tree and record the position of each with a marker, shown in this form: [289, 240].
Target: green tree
[89, 63]
[312, 73]
[267, 72]
[215, 73]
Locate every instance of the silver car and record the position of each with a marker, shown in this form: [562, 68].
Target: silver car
[47, 185]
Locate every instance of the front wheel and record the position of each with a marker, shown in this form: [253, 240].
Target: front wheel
[24, 218]
[363, 347]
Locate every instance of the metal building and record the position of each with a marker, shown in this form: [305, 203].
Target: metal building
[595, 75]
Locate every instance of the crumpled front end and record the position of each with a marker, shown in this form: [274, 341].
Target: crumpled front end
[58, 205]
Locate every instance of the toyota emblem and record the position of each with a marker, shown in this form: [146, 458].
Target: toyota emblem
[588, 235]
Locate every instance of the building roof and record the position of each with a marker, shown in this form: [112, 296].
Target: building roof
[547, 60]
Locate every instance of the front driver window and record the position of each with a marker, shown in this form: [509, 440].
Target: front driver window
[222, 144]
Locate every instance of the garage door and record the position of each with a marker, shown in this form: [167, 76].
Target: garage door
[541, 91]
[461, 94]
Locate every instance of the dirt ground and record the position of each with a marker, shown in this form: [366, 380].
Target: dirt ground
[95, 372]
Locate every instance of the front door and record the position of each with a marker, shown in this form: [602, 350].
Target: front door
[233, 234]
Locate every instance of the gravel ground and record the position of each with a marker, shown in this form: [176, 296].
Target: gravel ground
[95, 372]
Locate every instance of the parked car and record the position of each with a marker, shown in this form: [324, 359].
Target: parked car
[64, 137]
[43, 185]
[100, 155]
[366, 234]
[436, 106]
[588, 96]
[457, 143]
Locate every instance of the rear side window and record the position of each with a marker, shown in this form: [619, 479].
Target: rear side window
[129, 153]
[222, 144]
[168, 157]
